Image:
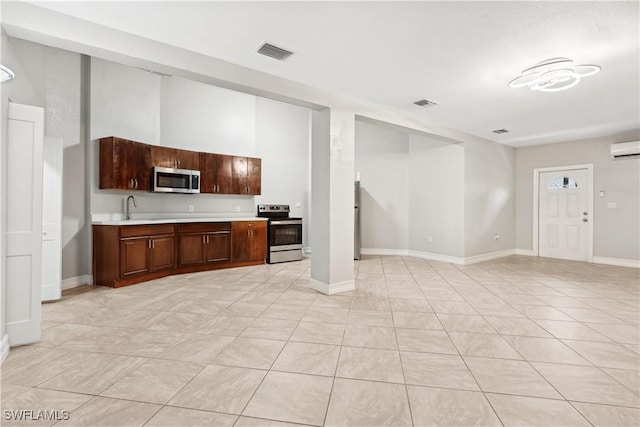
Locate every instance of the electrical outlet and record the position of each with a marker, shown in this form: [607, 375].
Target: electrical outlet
[298, 204]
[190, 208]
[496, 237]
[237, 208]
[611, 205]
[430, 239]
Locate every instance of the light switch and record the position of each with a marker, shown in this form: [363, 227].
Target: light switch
[611, 205]
[190, 208]
[601, 193]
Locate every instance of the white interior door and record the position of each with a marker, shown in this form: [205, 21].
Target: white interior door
[564, 216]
[24, 223]
[52, 219]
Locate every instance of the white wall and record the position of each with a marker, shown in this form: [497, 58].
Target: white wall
[382, 159]
[282, 142]
[51, 78]
[489, 188]
[201, 117]
[436, 198]
[145, 107]
[616, 232]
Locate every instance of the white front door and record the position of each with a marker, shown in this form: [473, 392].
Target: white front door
[563, 214]
[25, 133]
[52, 219]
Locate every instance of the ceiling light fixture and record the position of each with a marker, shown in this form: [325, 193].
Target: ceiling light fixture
[6, 74]
[553, 75]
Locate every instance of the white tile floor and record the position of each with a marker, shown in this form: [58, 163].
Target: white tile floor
[516, 341]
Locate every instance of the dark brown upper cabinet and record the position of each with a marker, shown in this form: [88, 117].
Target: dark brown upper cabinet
[124, 164]
[166, 157]
[216, 173]
[247, 175]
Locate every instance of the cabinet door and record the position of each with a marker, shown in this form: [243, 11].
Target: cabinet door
[258, 236]
[133, 163]
[163, 157]
[191, 249]
[208, 172]
[254, 176]
[240, 241]
[240, 173]
[224, 174]
[134, 256]
[188, 159]
[124, 164]
[218, 247]
[163, 253]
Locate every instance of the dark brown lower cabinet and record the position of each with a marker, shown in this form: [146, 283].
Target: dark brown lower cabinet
[204, 243]
[249, 241]
[128, 254]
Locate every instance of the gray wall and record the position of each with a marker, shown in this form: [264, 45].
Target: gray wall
[382, 159]
[616, 232]
[51, 78]
[489, 193]
[436, 197]
[412, 189]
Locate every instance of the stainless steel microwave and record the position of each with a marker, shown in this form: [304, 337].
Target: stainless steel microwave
[169, 180]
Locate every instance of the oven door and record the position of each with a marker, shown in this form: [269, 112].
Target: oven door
[285, 234]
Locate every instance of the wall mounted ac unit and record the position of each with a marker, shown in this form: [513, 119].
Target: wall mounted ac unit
[624, 150]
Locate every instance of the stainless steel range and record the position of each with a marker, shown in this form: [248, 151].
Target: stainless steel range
[284, 234]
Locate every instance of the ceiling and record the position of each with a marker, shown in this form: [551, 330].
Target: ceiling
[458, 54]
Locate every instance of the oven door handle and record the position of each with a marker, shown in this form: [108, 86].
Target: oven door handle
[286, 222]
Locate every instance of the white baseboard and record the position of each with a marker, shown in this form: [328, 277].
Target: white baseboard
[526, 252]
[4, 347]
[437, 257]
[489, 256]
[620, 262]
[74, 282]
[333, 288]
[378, 251]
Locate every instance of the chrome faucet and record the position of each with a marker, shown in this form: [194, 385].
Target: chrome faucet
[127, 212]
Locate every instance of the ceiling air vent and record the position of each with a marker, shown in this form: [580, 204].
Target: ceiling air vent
[425, 103]
[499, 131]
[274, 52]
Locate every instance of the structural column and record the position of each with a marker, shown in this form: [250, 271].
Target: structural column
[332, 200]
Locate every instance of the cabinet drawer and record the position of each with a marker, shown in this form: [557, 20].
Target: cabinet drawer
[204, 227]
[249, 224]
[146, 230]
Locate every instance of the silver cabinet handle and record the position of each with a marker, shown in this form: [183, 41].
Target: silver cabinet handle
[203, 239]
[131, 183]
[136, 180]
[149, 243]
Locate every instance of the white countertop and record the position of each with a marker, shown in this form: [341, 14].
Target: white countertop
[173, 220]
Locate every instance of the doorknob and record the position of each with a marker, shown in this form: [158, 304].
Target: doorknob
[585, 220]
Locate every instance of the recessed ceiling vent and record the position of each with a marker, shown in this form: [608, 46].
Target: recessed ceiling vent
[274, 52]
[499, 131]
[425, 103]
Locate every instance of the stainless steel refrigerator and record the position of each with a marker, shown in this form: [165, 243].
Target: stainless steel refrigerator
[356, 228]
